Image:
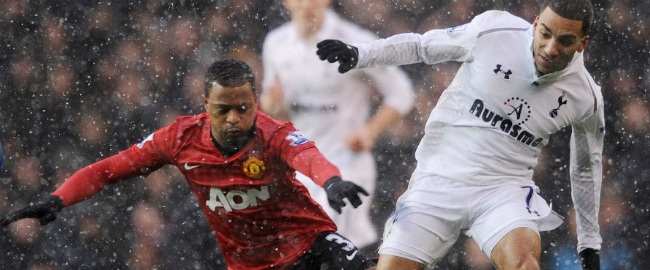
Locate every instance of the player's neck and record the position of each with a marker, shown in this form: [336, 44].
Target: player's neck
[308, 32]
[230, 150]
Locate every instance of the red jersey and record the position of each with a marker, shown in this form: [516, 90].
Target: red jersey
[262, 217]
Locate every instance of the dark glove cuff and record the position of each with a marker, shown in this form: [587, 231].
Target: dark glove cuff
[56, 202]
[331, 181]
[590, 259]
[588, 252]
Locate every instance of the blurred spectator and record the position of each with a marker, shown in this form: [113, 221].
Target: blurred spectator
[149, 237]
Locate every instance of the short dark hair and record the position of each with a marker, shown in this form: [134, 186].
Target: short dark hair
[580, 10]
[229, 73]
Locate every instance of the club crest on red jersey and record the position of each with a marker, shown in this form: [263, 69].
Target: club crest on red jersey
[254, 167]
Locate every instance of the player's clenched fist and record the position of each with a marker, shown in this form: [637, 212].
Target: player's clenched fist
[590, 259]
[334, 50]
[45, 211]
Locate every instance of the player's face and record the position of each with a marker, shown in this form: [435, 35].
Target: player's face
[307, 13]
[232, 113]
[556, 41]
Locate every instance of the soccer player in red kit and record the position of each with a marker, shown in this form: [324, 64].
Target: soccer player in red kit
[241, 165]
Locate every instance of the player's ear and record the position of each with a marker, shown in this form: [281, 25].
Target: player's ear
[583, 43]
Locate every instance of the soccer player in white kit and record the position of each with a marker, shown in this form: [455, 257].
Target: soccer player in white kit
[332, 109]
[517, 85]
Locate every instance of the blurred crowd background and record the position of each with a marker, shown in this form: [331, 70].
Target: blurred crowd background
[82, 80]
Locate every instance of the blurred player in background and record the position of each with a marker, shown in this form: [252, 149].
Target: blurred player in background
[517, 85]
[332, 110]
[240, 164]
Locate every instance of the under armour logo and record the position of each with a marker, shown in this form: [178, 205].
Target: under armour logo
[506, 74]
[560, 101]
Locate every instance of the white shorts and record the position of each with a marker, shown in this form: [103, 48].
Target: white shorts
[432, 213]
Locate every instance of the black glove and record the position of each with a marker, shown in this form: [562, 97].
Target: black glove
[45, 210]
[335, 50]
[337, 190]
[590, 259]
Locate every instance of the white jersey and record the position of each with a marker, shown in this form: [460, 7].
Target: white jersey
[322, 103]
[490, 124]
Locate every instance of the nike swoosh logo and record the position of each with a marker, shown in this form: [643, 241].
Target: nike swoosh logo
[351, 256]
[188, 167]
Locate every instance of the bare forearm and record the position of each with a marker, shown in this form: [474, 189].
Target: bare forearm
[385, 117]
[271, 102]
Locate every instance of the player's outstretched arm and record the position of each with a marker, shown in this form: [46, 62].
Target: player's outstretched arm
[44, 210]
[338, 189]
[334, 50]
[590, 259]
